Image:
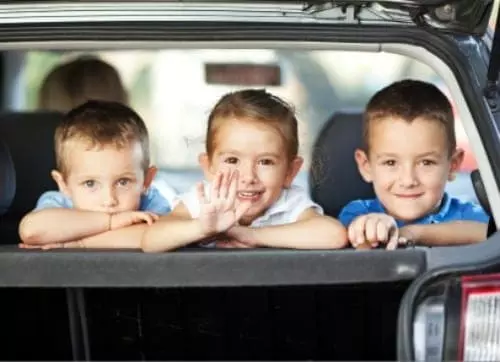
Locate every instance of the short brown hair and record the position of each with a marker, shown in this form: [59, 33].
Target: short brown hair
[408, 100]
[101, 123]
[71, 84]
[259, 106]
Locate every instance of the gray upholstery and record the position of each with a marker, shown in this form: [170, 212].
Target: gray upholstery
[333, 177]
[7, 179]
[30, 139]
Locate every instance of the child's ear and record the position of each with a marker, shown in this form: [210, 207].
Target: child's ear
[149, 176]
[456, 161]
[363, 165]
[61, 184]
[204, 161]
[293, 170]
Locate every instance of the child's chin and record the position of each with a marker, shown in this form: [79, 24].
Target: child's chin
[411, 216]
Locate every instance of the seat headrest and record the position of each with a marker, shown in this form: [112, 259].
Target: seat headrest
[7, 179]
[30, 139]
[334, 178]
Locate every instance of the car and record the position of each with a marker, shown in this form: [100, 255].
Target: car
[176, 58]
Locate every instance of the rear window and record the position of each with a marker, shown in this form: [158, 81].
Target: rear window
[174, 90]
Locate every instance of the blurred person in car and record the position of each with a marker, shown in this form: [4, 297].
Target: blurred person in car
[72, 83]
[409, 153]
[248, 199]
[87, 77]
[104, 179]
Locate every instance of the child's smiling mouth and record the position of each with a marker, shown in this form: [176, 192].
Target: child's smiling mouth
[249, 195]
[409, 196]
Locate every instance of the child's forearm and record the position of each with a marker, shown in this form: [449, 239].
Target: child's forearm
[320, 232]
[60, 225]
[125, 238]
[450, 233]
[171, 232]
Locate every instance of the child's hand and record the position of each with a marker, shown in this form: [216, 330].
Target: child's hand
[223, 210]
[127, 218]
[231, 244]
[369, 230]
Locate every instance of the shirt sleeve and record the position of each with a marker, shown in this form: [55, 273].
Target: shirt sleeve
[352, 210]
[474, 212]
[190, 201]
[300, 202]
[155, 202]
[53, 199]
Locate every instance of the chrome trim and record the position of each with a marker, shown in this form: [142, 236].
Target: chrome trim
[168, 11]
[428, 330]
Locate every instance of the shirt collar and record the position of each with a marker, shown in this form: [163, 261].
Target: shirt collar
[435, 217]
[278, 207]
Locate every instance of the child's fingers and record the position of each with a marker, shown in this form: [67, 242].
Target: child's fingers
[358, 231]
[232, 244]
[216, 185]
[371, 226]
[200, 191]
[393, 238]
[147, 218]
[241, 209]
[232, 190]
[227, 179]
[382, 231]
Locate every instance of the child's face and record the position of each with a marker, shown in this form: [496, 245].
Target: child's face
[258, 152]
[409, 165]
[104, 179]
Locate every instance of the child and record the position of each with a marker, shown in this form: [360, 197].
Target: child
[104, 177]
[409, 153]
[250, 163]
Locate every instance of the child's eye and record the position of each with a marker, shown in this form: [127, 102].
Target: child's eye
[124, 181]
[428, 162]
[89, 183]
[389, 163]
[266, 162]
[231, 160]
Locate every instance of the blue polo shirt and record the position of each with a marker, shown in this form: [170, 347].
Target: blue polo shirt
[152, 200]
[452, 209]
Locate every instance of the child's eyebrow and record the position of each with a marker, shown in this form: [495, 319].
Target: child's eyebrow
[430, 153]
[237, 153]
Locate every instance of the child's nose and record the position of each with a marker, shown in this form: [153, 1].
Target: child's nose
[247, 174]
[408, 177]
[109, 197]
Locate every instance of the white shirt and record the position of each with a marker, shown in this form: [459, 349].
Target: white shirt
[290, 205]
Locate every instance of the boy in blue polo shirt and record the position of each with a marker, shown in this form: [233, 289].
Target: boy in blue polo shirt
[105, 197]
[409, 153]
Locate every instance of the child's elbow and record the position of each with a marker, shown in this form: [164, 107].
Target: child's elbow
[28, 232]
[147, 246]
[338, 237]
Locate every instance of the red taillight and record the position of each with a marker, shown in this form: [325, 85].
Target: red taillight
[480, 318]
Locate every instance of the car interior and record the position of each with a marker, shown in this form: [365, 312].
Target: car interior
[218, 304]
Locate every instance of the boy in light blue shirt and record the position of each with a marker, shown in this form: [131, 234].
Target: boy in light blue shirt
[409, 153]
[105, 197]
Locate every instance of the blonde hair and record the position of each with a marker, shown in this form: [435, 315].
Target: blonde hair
[100, 123]
[73, 83]
[254, 105]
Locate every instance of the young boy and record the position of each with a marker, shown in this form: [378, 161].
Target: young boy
[409, 153]
[104, 177]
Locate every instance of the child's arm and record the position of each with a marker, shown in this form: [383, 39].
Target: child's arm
[124, 238]
[173, 231]
[217, 214]
[310, 231]
[58, 225]
[449, 233]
